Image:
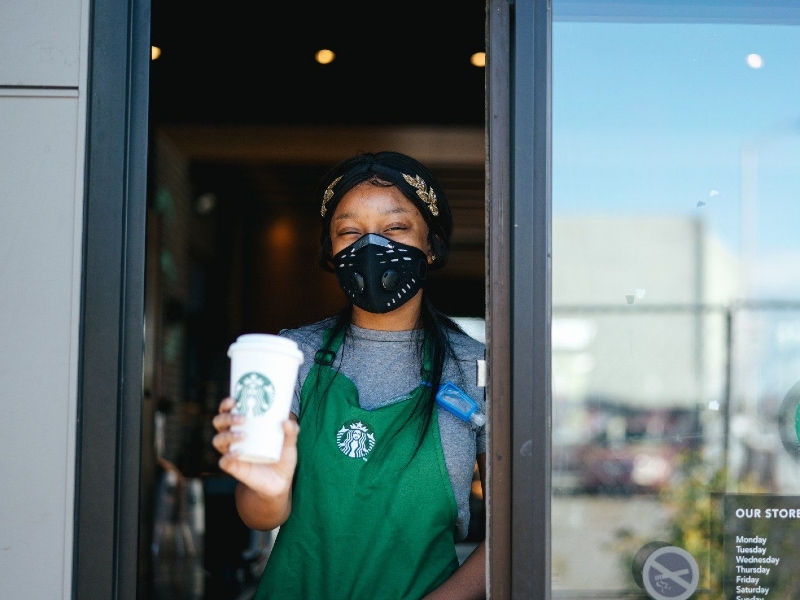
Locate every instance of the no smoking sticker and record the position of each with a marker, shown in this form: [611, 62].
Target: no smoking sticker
[670, 573]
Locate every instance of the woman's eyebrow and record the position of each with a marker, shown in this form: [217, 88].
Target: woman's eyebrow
[395, 210]
[389, 211]
[342, 216]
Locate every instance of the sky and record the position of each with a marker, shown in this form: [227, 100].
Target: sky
[694, 119]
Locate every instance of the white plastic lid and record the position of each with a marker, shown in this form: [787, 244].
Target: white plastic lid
[262, 341]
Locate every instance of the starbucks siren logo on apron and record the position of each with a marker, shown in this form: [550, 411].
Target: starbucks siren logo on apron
[254, 394]
[355, 439]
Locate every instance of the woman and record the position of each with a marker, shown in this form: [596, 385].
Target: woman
[373, 494]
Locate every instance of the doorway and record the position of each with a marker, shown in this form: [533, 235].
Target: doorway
[243, 124]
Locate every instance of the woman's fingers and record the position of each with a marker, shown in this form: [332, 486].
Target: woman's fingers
[231, 464]
[268, 479]
[223, 420]
[223, 440]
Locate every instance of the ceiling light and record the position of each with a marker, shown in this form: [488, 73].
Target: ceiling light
[754, 61]
[155, 52]
[478, 59]
[325, 56]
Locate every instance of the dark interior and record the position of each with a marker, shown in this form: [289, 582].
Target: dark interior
[243, 124]
[252, 63]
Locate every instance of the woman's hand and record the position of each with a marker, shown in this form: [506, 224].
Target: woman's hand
[264, 502]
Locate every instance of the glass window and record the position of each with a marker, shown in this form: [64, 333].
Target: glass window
[676, 298]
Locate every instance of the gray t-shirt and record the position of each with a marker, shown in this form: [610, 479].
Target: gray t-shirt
[385, 367]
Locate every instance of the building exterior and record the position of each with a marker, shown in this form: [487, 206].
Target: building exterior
[640, 257]
[676, 274]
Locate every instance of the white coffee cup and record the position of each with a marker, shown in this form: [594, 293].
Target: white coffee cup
[263, 377]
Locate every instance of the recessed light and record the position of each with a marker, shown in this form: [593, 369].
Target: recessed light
[325, 56]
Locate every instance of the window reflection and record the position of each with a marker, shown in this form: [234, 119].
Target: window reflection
[676, 279]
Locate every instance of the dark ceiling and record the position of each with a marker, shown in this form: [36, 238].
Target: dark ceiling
[245, 62]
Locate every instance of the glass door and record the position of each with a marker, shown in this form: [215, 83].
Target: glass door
[676, 300]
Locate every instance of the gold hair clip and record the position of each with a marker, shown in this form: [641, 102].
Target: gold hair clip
[426, 194]
[328, 195]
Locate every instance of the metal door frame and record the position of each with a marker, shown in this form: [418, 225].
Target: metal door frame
[518, 292]
[105, 549]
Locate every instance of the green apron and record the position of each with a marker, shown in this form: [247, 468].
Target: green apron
[370, 519]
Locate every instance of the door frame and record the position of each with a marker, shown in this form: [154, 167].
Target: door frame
[106, 547]
[518, 297]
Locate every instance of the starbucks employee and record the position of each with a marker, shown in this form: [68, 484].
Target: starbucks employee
[371, 492]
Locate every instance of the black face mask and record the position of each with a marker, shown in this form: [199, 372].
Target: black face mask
[379, 275]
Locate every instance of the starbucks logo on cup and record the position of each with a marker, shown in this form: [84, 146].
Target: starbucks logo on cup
[254, 394]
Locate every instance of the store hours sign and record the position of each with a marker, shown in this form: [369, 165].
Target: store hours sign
[761, 541]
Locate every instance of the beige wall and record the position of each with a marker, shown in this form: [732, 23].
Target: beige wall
[42, 124]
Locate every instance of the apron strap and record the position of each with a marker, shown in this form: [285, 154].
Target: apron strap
[427, 368]
[325, 356]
